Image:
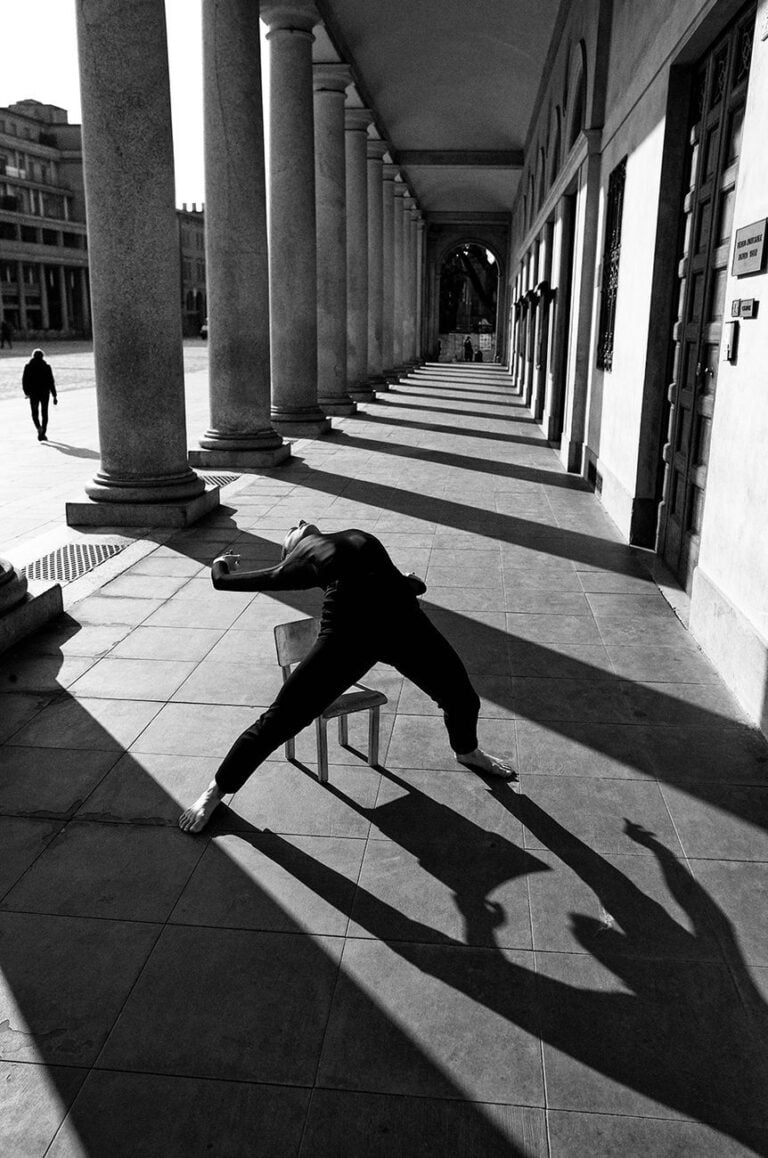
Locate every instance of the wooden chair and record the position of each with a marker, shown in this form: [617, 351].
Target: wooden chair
[292, 642]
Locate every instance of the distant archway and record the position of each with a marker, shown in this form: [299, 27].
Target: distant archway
[468, 303]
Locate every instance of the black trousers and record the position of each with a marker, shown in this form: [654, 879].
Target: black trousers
[412, 645]
[39, 406]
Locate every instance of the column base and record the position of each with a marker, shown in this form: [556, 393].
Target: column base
[246, 460]
[362, 393]
[13, 587]
[571, 455]
[181, 513]
[301, 427]
[182, 487]
[377, 382]
[337, 407]
[36, 609]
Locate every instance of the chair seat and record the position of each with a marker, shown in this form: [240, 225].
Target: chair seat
[359, 698]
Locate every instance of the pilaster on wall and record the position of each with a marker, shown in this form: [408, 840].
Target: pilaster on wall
[582, 308]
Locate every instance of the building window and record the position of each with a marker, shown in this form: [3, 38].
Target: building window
[611, 254]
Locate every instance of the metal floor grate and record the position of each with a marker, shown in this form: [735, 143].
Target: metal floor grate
[71, 561]
[218, 480]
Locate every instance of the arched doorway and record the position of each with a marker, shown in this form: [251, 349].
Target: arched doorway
[468, 304]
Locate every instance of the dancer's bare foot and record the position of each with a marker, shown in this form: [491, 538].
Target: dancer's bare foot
[195, 818]
[483, 762]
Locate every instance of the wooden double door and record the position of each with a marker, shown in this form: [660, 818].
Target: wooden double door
[714, 144]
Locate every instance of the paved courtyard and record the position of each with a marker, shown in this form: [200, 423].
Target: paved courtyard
[410, 960]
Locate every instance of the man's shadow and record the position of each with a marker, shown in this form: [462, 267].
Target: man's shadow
[72, 451]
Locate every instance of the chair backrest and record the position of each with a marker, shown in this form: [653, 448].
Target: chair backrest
[293, 640]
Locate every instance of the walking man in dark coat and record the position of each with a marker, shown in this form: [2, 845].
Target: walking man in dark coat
[38, 384]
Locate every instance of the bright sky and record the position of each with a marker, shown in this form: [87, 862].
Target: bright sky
[40, 63]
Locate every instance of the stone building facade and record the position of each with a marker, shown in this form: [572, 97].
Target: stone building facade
[43, 249]
[191, 226]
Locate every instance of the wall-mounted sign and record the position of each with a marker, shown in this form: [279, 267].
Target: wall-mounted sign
[749, 250]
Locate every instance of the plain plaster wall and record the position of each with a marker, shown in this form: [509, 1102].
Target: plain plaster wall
[616, 396]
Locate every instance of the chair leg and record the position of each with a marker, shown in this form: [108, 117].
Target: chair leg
[322, 750]
[373, 737]
[343, 731]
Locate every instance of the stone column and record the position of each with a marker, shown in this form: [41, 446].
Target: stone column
[240, 435]
[330, 84]
[357, 121]
[409, 260]
[420, 229]
[64, 294]
[144, 477]
[398, 312]
[376, 151]
[45, 315]
[85, 300]
[292, 237]
[22, 296]
[388, 279]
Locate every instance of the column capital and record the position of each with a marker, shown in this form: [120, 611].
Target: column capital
[421, 224]
[289, 15]
[401, 190]
[331, 77]
[390, 172]
[376, 149]
[357, 120]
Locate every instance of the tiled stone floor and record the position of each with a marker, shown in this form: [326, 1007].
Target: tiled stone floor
[409, 960]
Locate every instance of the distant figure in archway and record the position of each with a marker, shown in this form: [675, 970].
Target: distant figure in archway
[478, 355]
[469, 350]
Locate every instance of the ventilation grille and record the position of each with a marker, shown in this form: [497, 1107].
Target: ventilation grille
[219, 480]
[71, 561]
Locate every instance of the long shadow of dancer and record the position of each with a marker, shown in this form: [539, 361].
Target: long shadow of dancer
[673, 1032]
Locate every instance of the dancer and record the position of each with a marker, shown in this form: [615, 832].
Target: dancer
[370, 614]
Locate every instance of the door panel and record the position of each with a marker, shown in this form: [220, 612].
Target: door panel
[715, 131]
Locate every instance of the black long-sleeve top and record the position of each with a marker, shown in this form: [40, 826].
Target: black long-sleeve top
[37, 379]
[361, 583]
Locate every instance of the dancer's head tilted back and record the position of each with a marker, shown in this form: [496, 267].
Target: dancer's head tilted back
[297, 533]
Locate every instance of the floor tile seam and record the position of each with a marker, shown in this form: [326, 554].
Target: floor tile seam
[82, 917]
[635, 1117]
[188, 1077]
[414, 1095]
[699, 859]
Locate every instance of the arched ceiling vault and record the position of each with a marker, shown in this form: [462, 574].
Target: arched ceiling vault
[453, 87]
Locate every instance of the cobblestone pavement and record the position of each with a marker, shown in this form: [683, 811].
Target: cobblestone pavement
[409, 960]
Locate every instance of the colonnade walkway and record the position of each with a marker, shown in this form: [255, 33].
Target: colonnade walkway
[411, 959]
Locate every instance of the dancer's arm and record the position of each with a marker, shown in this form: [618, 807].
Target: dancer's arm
[295, 573]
